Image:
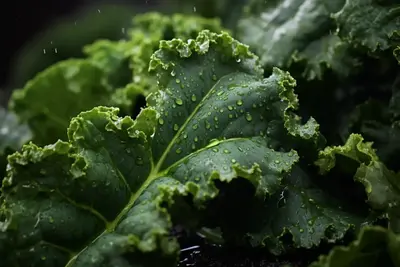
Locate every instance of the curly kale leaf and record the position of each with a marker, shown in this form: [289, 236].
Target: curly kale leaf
[54, 96]
[105, 198]
[381, 185]
[375, 246]
[377, 119]
[289, 31]
[371, 24]
[115, 73]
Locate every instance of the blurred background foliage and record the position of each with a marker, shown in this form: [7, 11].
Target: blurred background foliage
[51, 32]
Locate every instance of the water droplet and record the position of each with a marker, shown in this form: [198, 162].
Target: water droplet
[248, 117]
[179, 101]
[310, 222]
[197, 179]
[161, 121]
[208, 125]
[230, 107]
[226, 151]
[173, 73]
[194, 98]
[214, 77]
[277, 161]
[233, 160]
[196, 139]
[195, 126]
[238, 60]
[301, 230]
[239, 102]
[215, 150]
[178, 150]
[176, 127]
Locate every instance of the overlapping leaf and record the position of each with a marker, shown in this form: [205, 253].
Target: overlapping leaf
[282, 32]
[115, 73]
[375, 246]
[381, 185]
[301, 210]
[103, 198]
[369, 23]
[52, 98]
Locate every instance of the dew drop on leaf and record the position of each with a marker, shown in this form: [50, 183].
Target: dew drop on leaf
[248, 117]
[179, 101]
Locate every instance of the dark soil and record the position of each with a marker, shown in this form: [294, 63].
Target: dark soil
[196, 252]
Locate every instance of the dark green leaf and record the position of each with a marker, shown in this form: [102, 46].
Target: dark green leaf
[375, 246]
[105, 197]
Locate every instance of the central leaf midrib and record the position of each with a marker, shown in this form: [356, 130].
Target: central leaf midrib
[192, 114]
[155, 173]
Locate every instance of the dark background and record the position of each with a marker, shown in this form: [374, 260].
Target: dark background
[27, 28]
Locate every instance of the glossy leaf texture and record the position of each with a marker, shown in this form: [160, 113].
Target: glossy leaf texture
[105, 198]
[375, 246]
[114, 73]
[291, 31]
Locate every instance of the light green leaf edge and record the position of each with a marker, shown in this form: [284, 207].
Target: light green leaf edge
[79, 175]
[373, 244]
[381, 185]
